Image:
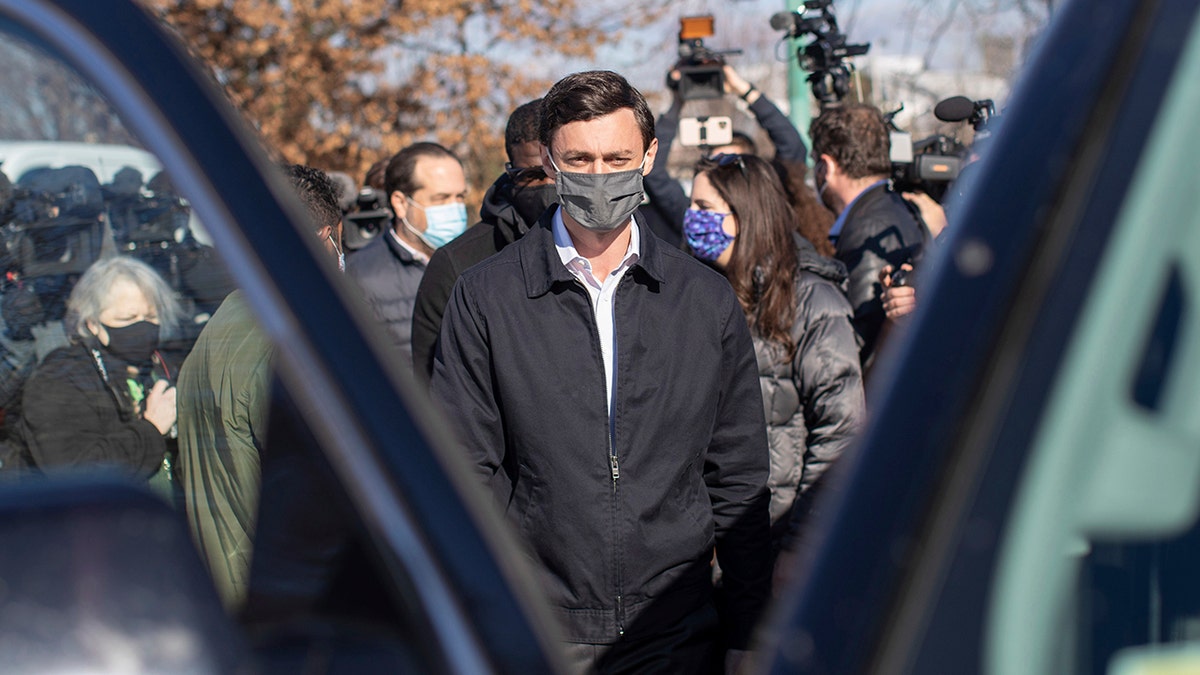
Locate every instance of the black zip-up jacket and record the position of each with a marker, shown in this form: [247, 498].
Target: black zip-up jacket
[624, 533]
[500, 224]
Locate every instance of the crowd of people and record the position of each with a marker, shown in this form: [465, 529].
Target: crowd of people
[652, 384]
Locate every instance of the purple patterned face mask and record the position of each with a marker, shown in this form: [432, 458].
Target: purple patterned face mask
[704, 234]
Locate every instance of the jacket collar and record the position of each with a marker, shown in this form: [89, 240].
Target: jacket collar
[542, 267]
[394, 245]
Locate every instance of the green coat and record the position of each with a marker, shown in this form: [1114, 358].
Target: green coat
[223, 400]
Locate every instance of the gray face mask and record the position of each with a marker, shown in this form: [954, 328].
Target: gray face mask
[601, 202]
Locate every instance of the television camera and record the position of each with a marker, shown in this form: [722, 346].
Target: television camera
[933, 163]
[825, 56]
[370, 217]
[927, 165]
[699, 67]
[58, 221]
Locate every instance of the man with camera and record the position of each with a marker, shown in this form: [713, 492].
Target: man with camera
[875, 225]
[667, 196]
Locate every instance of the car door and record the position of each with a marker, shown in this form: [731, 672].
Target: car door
[1024, 500]
[443, 580]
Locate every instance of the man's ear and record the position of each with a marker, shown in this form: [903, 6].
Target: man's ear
[399, 204]
[651, 153]
[831, 166]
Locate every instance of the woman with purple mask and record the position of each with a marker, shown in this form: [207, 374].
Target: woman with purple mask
[741, 222]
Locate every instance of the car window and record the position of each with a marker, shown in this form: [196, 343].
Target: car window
[127, 350]
[1098, 560]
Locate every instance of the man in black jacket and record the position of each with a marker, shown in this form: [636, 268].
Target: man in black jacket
[875, 225]
[605, 387]
[512, 204]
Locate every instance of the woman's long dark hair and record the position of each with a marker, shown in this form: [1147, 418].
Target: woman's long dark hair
[813, 219]
[764, 264]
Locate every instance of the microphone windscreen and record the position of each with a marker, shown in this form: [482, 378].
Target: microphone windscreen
[782, 20]
[954, 109]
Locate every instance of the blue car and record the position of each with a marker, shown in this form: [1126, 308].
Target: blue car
[1025, 500]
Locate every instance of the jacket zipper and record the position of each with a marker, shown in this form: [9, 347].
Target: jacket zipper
[613, 463]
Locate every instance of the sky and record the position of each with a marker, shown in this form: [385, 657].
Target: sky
[892, 27]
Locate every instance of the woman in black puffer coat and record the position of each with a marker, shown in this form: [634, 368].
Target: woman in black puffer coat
[795, 302]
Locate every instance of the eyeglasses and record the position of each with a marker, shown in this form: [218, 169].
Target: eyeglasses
[524, 174]
[725, 159]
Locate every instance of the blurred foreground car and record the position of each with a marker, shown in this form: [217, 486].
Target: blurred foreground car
[99, 575]
[1026, 498]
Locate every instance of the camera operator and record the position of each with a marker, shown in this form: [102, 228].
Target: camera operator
[667, 196]
[875, 225]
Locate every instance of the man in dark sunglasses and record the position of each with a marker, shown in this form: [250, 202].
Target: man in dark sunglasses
[512, 204]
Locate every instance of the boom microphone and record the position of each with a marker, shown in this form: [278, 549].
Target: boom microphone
[783, 21]
[954, 109]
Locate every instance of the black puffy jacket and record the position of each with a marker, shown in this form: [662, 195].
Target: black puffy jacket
[389, 276]
[814, 401]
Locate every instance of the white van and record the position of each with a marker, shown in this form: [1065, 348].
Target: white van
[105, 160]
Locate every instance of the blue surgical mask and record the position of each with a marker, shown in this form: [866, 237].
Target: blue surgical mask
[704, 235]
[443, 222]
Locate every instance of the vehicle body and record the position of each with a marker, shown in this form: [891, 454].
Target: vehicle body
[104, 159]
[1025, 499]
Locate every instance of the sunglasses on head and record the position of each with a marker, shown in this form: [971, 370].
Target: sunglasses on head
[725, 159]
[526, 174]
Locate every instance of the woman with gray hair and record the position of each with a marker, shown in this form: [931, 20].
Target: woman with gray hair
[106, 398]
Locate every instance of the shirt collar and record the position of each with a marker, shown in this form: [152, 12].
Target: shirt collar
[416, 254]
[569, 255]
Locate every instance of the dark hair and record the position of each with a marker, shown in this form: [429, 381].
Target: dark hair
[319, 194]
[764, 264]
[743, 143]
[856, 137]
[374, 177]
[580, 97]
[398, 177]
[813, 219]
[522, 125]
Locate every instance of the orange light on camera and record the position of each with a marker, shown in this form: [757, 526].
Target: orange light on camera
[695, 27]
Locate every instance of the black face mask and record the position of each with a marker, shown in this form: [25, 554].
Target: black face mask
[531, 202]
[134, 344]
